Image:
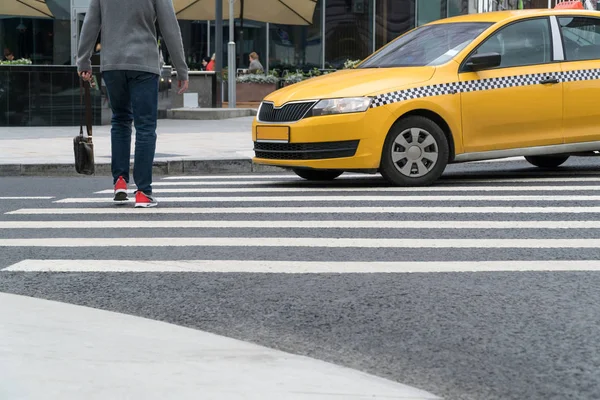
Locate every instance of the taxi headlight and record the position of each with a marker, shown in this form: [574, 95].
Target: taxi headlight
[341, 106]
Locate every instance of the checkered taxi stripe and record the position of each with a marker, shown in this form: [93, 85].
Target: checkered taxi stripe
[482, 84]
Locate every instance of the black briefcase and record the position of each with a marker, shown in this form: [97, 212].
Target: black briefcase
[82, 144]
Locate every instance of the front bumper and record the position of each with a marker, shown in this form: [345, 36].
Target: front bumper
[345, 141]
[306, 151]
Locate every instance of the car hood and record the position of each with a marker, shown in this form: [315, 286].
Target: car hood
[352, 83]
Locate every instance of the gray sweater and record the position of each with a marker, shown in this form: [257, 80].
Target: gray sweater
[255, 67]
[129, 36]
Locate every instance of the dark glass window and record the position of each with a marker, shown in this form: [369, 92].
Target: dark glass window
[348, 31]
[430, 10]
[296, 47]
[394, 18]
[30, 38]
[581, 37]
[195, 42]
[426, 45]
[522, 43]
[458, 7]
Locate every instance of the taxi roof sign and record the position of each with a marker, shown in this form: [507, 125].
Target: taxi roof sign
[570, 5]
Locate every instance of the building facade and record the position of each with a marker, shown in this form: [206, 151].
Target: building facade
[341, 30]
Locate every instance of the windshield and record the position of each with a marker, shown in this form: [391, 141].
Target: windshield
[427, 45]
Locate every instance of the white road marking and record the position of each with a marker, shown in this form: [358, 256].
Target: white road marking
[184, 182]
[347, 175]
[508, 159]
[271, 224]
[305, 242]
[215, 183]
[297, 267]
[27, 198]
[264, 199]
[239, 179]
[308, 210]
[259, 176]
[308, 189]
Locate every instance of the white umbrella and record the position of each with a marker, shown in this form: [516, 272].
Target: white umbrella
[25, 8]
[285, 12]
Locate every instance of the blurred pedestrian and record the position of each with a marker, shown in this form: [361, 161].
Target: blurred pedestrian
[255, 65]
[211, 64]
[8, 55]
[130, 68]
[205, 62]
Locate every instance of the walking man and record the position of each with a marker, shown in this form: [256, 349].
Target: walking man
[130, 69]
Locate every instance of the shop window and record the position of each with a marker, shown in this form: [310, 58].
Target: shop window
[394, 18]
[348, 31]
[429, 10]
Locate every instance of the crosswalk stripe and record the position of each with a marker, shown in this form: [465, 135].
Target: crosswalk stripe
[303, 242]
[553, 188]
[240, 180]
[309, 210]
[296, 267]
[350, 175]
[249, 199]
[221, 183]
[258, 176]
[271, 224]
[26, 198]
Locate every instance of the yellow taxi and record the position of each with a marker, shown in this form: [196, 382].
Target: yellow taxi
[474, 87]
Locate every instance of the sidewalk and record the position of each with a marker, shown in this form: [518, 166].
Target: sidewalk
[183, 146]
[75, 352]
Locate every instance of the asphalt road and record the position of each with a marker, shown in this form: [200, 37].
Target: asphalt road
[460, 335]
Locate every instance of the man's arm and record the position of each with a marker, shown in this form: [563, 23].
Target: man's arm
[167, 21]
[89, 34]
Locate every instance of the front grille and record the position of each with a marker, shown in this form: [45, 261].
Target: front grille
[288, 113]
[305, 151]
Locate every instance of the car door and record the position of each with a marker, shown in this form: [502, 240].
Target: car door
[581, 76]
[520, 102]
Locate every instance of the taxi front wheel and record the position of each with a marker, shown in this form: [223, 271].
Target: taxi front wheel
[317, 174]
[415, 152]
[547, 161]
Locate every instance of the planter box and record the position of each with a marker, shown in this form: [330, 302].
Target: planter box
[253, 92]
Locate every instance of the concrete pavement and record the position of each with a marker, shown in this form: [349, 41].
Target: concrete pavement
[54, 350]
[183, 146]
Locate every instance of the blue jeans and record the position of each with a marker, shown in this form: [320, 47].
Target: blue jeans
[134, 98]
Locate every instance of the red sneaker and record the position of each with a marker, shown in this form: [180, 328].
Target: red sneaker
[143, 200]
[121, 191]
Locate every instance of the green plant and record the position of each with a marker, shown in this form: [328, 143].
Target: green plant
[351, 64]
[257, 78]
[315, 72]
[22, 61]
[294, 78]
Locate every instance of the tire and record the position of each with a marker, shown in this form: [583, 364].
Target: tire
[405, 164]
[546, 161]
[317, 174]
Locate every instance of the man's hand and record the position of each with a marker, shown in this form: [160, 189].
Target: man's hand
[183, 86]
[86, 75]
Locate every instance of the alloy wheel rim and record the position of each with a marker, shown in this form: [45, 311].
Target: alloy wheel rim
[415, 152]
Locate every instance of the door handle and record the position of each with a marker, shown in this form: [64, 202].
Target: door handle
[551, 81]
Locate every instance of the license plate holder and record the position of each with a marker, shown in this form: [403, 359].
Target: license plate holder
[279, 134]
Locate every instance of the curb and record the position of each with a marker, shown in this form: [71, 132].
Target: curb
[203, 114]
[160, 168]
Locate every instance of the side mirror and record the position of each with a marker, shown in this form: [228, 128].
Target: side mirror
[482, 61]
